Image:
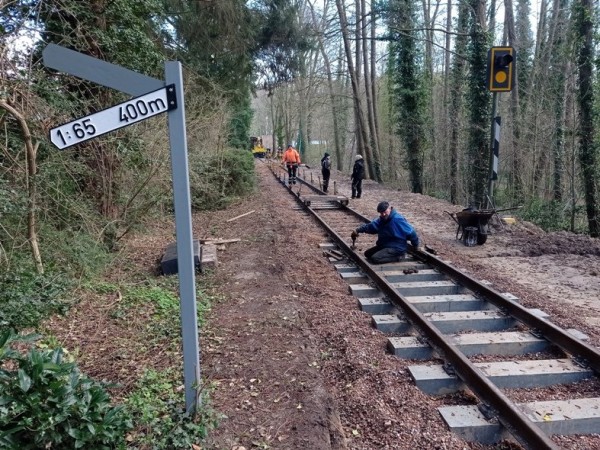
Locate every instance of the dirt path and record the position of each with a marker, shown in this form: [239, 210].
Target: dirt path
[294, 363]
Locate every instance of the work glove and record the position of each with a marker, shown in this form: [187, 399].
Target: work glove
[354, 235]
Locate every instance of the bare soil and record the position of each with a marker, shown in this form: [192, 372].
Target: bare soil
[293, 361]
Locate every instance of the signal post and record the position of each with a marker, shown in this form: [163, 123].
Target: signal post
[500, 78]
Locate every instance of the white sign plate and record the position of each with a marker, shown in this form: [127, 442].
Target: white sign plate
[115, 117]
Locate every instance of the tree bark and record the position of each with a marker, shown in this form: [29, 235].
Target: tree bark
[448, 46]
[517, 164]
[559, 30]
[370, 102]
[480, 108]
[588, 157]
[361, 133]
[456, 97]
[330, 88]
[30, 182]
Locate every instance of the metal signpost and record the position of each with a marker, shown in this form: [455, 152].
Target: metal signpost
[153, 97]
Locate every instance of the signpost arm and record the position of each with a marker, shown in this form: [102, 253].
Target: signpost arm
[185, 251]
[98, 71]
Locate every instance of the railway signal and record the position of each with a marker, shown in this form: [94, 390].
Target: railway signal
[500, 78]
[501, 69]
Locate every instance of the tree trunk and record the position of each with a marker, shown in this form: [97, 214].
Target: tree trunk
[480, 108]
[360, 125]
[374, 78]
[517, 163]
[370, 104]
[31, 184]
[456, 96]
[445, 110]
[559, 30]
[429, 22]
[588, 157]
[409, 91]
[330, 88]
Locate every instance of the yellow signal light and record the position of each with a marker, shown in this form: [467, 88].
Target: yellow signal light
[501, 69]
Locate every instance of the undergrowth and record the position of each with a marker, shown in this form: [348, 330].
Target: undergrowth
[554, 216]
[156, 402]
[45, 402]
[28, 297]
[160, 417]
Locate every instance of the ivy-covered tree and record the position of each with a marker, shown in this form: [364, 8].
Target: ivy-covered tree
[408, 94]
[584, 13]
[479, 101]
[457, 96]
[118, 31]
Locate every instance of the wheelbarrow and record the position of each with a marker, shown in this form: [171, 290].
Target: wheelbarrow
[473, 225]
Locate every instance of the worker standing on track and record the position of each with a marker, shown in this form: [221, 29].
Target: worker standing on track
[326, 170]
[393, 232]
[358, 173]
[291, 158]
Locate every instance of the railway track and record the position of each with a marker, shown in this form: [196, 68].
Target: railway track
[486, 341]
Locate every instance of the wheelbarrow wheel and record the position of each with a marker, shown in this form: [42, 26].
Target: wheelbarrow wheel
[481, 238]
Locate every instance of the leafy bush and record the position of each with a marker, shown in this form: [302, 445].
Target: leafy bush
[47, 403]
[28, 297]
[552, 215]
[13, 203]
[220, 178]
[76, 253]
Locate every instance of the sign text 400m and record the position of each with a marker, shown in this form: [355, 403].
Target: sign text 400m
[118, 116]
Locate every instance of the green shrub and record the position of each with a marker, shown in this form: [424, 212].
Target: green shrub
[28, 297]
[552, 215]
[76, 253]
[46, 402]
[218, 179]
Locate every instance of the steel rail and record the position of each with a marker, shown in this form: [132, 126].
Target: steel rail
[551, 332]
[522, 428]
[529, 434]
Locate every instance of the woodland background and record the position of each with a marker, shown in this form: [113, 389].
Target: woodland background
[401, 82]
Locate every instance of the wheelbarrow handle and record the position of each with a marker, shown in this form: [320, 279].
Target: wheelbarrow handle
[453, 215]
[507, 209]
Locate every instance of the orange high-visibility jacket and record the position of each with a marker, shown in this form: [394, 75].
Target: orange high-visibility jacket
[291, 156]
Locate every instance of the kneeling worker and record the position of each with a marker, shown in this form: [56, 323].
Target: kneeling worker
[393, 232]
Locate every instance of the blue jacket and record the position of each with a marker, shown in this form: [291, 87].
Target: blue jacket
[393, 232]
